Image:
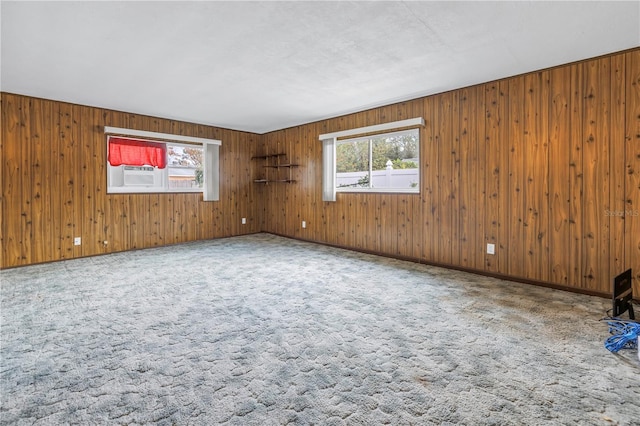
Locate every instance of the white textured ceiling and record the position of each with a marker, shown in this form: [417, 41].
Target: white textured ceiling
[262, 66]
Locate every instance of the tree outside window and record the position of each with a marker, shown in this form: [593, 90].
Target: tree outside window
[381, 161]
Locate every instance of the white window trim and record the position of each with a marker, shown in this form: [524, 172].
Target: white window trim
[211, 160]
[329, 142]
[411, 122]
[118, 131]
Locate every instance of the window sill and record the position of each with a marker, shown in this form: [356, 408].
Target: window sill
[151, 190]
[377, 191]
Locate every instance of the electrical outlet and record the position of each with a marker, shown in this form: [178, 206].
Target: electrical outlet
[77, 241]
[491, 249]
[244, 220]
[304, 224]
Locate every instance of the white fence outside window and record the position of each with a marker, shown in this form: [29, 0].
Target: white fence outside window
[389, 178]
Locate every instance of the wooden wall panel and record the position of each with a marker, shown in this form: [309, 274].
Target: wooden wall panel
[517, 157]
[479, 164]
[544, 165]
[447, 155]
[453, 201]
[596, 173]
[65, 179]
[429, 176]
[559, 176]
[576, 176]
[496, 157]
[632, 167]
[54, 186]
[617, 173]
[54, 189]
[530, 163]
[12, 182]
[468, 180]
[543, 172]
[536, 174]
[39, 152]
[504, 200]
[26, 173]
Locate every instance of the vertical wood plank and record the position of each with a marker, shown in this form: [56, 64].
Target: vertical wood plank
[429, 177]
[11, 180]
[576, 178]
[479, 163]
[535, 184]
[467, 189]
[454, 183]
[389, 211]
[632, 166]
[492, 159]
[11, 183]
[446, 156]
[40, 152]
[99, 166]
[617, 171]
[417, 201]
[542, 161]
[503, 247]
[559, 174]
[89, 195]
[596, 172]
[26, 184]
[404, 240]
[63, 200]
[77, 177]
[516, 178]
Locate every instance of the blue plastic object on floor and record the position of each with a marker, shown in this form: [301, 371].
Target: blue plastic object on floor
[624, 335]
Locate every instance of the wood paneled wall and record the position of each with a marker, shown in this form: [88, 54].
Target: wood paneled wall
[54, 186]
[544, 165]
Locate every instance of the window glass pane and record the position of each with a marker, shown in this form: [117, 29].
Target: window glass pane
[182, 170]
[352, 164]
[395, 160]
[185, 167]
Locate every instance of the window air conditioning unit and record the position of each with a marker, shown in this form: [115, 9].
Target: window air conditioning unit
[141, 176]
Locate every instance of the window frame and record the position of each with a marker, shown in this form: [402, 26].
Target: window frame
[370, 138]
[210, 163]
[330, 140]
[184, 145]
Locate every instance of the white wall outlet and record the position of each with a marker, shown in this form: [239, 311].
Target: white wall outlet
[304, 223]
[491, 249]
[244, 220]
[77, 241]
[105, 242]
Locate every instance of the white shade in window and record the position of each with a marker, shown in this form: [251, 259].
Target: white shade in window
[211, 170]
[328, 169]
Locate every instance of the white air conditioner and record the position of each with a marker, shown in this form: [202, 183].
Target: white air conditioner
[141, 176]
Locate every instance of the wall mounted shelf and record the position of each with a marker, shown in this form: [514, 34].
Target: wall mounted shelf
[272, 170]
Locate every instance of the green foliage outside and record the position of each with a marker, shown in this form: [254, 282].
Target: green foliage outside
[354, 156]
[402, 164]
[364, 181]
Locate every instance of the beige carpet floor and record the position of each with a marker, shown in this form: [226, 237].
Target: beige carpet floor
[264, 330]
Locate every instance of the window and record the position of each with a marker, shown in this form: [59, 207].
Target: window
[378, 162]
[185, 167]
[386, 162]
[137, 165]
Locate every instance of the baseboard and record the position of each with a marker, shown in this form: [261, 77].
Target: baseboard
[469, 270]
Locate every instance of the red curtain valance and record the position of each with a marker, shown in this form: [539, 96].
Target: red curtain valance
[133, 152]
